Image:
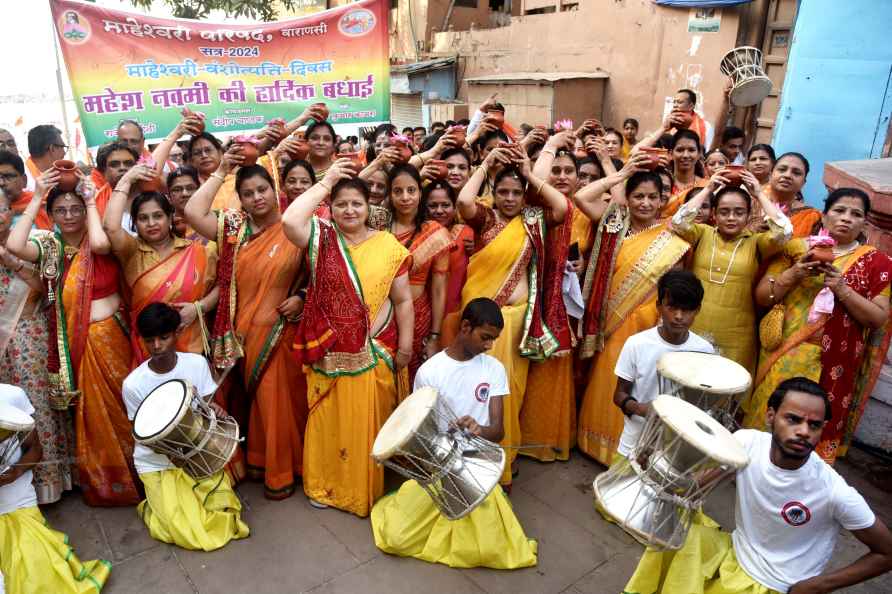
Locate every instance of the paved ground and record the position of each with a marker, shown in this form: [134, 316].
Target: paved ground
[295, 548]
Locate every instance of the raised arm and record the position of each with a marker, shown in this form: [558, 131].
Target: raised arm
[383, 159]
[721, 119]
[590, 199]
[561, 140]
[297, 217]
[188, 125]
[446, 141]
[17, 242]
[554, 202]
[99, 243]
[669, 122]
[198, 208]
[310, 113]
[114, 212]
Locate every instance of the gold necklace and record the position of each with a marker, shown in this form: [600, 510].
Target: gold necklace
[631, 233]
[730, 262]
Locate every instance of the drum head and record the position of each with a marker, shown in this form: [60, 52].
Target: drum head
[751, 92]
[703, 371]
[739, 56]
[402, 424]
[14, 419]
[161, 411]
[700, 430]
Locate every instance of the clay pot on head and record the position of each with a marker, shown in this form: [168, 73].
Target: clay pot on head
[250, 152]
[152, 185]
[822, 253]
[355, 157]
[654, 154]
[734, 174]
[301, 148]
[323, 110]
[68, 179]
[496, 117]
[403, 148]
[459, 134]
[440, 167]
[198, 116]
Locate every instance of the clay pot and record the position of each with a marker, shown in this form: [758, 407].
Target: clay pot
[250, 152]
[277, 127]
[152, 185]
[68, 179]
[685, 117]
[496, 117]
[459, 134]
[301, 148]
[323, 110]
[355, 157]
[734, 174]
[439, 167]
[198, 116]
[655, 154]
[403, 148]
[822, 253]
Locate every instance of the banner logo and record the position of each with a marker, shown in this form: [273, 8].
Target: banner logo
[357, 23]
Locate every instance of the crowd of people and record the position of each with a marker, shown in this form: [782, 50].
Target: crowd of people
[306, 291]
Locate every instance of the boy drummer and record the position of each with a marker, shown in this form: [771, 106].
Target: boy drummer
[472, 384]
[178, 509]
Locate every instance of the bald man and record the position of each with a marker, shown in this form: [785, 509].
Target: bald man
[7, 142]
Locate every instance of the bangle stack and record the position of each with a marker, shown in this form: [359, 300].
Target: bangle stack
[216, 175]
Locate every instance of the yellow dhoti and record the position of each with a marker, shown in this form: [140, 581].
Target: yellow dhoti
[36, 559]
[197, 515]
[407, 523]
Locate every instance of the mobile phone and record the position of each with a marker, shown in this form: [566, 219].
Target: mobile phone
[573, 253]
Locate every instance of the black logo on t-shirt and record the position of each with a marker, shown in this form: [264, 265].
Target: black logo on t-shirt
[795, 513]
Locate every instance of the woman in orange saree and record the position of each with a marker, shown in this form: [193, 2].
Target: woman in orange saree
[509, 267]
[784, 186]
[354, 339]
[159, 266]
[843, 348]
[89, 351]
[633, 249]
[428, 243]
[258, 275]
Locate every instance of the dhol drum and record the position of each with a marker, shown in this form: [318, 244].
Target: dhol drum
[420, 441]
[175, 421]
[743, 65]
[710, 382]
[681, 456]
[15, 425]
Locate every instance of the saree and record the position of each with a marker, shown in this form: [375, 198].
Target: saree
[836, 351]
[428, 247]
[42, 220]
[620, 294]
[677, 196]
[185, 276]
[803, 217]
[351, 381]
[257, 272]
[458, 273]
[90, 360]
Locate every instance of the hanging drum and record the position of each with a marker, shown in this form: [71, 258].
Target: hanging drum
[743, 65]
[681, 456]
[421, 441]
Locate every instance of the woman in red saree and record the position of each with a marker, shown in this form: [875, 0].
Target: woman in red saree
[89, 351]
[259, 275]
[159, 266]
[842, 349]
[354, 339]
[428, 242]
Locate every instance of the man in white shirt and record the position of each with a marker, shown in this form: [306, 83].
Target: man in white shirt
[790, 507]
[178, 509]
[472, 385]
[34, 557]
[679, 295]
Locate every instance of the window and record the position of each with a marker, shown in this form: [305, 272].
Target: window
[466, 3]
[543, 10]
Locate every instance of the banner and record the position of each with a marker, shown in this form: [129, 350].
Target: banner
[126, 65]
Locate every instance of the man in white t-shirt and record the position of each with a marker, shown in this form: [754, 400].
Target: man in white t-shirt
[34, 557]
[790, 507]
[472, 385]
[178, 509]
[679, 295]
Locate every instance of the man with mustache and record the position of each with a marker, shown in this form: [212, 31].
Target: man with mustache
[790, 507]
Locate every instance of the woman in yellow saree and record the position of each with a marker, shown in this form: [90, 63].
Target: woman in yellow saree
[835, 321]
[354, 339]
[89, 353]
[508, 268]
[633, 249]
[259, 275]
[159, 266]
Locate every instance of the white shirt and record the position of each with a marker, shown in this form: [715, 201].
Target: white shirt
[637, 363]
[464, 386]
[142, 380]
[787, 520]
[19, 494]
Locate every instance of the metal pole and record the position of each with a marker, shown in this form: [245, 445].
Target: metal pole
[62, 92]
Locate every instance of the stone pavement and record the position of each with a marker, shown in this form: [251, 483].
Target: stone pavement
[295, 548]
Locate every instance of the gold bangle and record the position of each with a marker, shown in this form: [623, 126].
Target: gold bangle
[771, 281]
[549, 151]
[216, 175]
[539, 189]
[327, 188]
[117, 191]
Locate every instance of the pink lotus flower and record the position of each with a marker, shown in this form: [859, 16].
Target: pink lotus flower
[822, 239]
[401, 138]
[147, 160]
[186, 112]
[563, 125]
[241, 138]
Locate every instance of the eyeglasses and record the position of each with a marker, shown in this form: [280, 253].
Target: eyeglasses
[64, 147]
[115, 164]
[208, 150]
[74, 212]
[9, 177]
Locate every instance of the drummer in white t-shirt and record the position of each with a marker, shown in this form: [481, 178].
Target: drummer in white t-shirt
[790, 508]
[33, 556]
[472, 384]
[679, 295]
[202, 514]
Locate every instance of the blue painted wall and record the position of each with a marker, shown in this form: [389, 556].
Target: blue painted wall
[837, 97]
[439, 81]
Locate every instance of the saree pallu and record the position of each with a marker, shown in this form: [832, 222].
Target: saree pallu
[35, 559]
[268, 268]
[835, 351]
[42, 220]
[351, 394]
[183, 277]
[629, 307]
[677, 197]
[227, 198]
[804, 218]
[458, 273]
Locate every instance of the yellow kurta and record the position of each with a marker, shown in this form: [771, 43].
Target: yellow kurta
[346, 412]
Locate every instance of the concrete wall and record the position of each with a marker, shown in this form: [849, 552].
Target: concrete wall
[441, 82]
[543, 103]
[837, 97]
[646, 49]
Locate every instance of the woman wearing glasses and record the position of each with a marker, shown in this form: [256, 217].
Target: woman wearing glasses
[89, 354]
